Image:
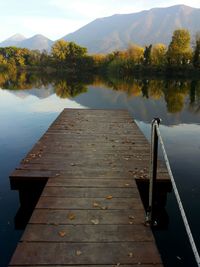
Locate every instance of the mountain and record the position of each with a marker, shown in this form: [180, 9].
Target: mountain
[13, 40]
[143, 28]
[38, 41]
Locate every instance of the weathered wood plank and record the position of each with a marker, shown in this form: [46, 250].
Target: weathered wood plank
[63, 217]
[86, 233]
[90, 192]
[89, 253]
[88, 203]
[110, 265]
[93, 182]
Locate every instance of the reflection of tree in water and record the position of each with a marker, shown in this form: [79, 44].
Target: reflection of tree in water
[26, 80]
[19, 81]
[65, 89]
[132, 87]
[156, 89]
[175, 94]
[195, 97]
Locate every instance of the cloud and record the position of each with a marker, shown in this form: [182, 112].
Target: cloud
[53, 28]
[94, 8]
[90, 9]
[54, 104]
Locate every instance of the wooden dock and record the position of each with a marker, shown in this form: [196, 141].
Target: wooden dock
[90, 212]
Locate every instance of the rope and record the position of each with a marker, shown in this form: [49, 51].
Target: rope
[187, 227]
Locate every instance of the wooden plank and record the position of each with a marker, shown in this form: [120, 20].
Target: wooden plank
[42, 253]
[115, 265]
[86, 233]
[118, 217]
[93, 182]
[88, 203]
[90, 192]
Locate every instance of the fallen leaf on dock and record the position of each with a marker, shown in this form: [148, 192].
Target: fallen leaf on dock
[95, 221]
[127, 184]
[62, 233]
[78, 253]
[71, 216]
[131, 217]
[109, 197]
[95, 204]
[130, 254]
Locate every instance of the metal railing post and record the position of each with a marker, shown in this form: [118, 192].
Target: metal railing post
[153, 170]
[155, 136]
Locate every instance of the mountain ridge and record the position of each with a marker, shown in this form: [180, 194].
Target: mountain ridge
[116, 32]
[148, 26]
[36, 42]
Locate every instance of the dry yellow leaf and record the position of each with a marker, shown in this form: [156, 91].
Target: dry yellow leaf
[95, 204]
[71, 216]
[62, 233]
[78, 253]
[95, 221]
[130, 254]
[127, 184]
[109, 197]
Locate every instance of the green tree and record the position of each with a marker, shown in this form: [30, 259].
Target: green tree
[196, 56]
[147, 55]
[179, 50]
[74, 53]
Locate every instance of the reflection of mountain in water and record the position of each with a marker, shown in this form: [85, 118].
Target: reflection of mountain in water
[40, 93]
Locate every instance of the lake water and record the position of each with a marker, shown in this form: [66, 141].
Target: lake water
[29, 104]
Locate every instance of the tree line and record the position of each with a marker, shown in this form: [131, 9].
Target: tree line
[68, 56]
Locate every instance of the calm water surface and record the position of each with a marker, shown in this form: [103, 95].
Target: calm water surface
[29, 106]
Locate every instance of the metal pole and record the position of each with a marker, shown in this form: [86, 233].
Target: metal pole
[153, 170]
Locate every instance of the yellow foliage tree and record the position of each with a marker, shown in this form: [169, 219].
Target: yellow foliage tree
[158, 54]
[136, 53]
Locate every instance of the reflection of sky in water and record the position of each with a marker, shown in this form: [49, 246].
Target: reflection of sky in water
[26, 114]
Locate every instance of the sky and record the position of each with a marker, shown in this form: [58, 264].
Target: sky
[56, 18]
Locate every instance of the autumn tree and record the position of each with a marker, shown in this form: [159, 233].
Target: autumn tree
[59, 50]
[68, 54]
[196, 56]
[158, 54]
[179, 50]
[135, 53]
